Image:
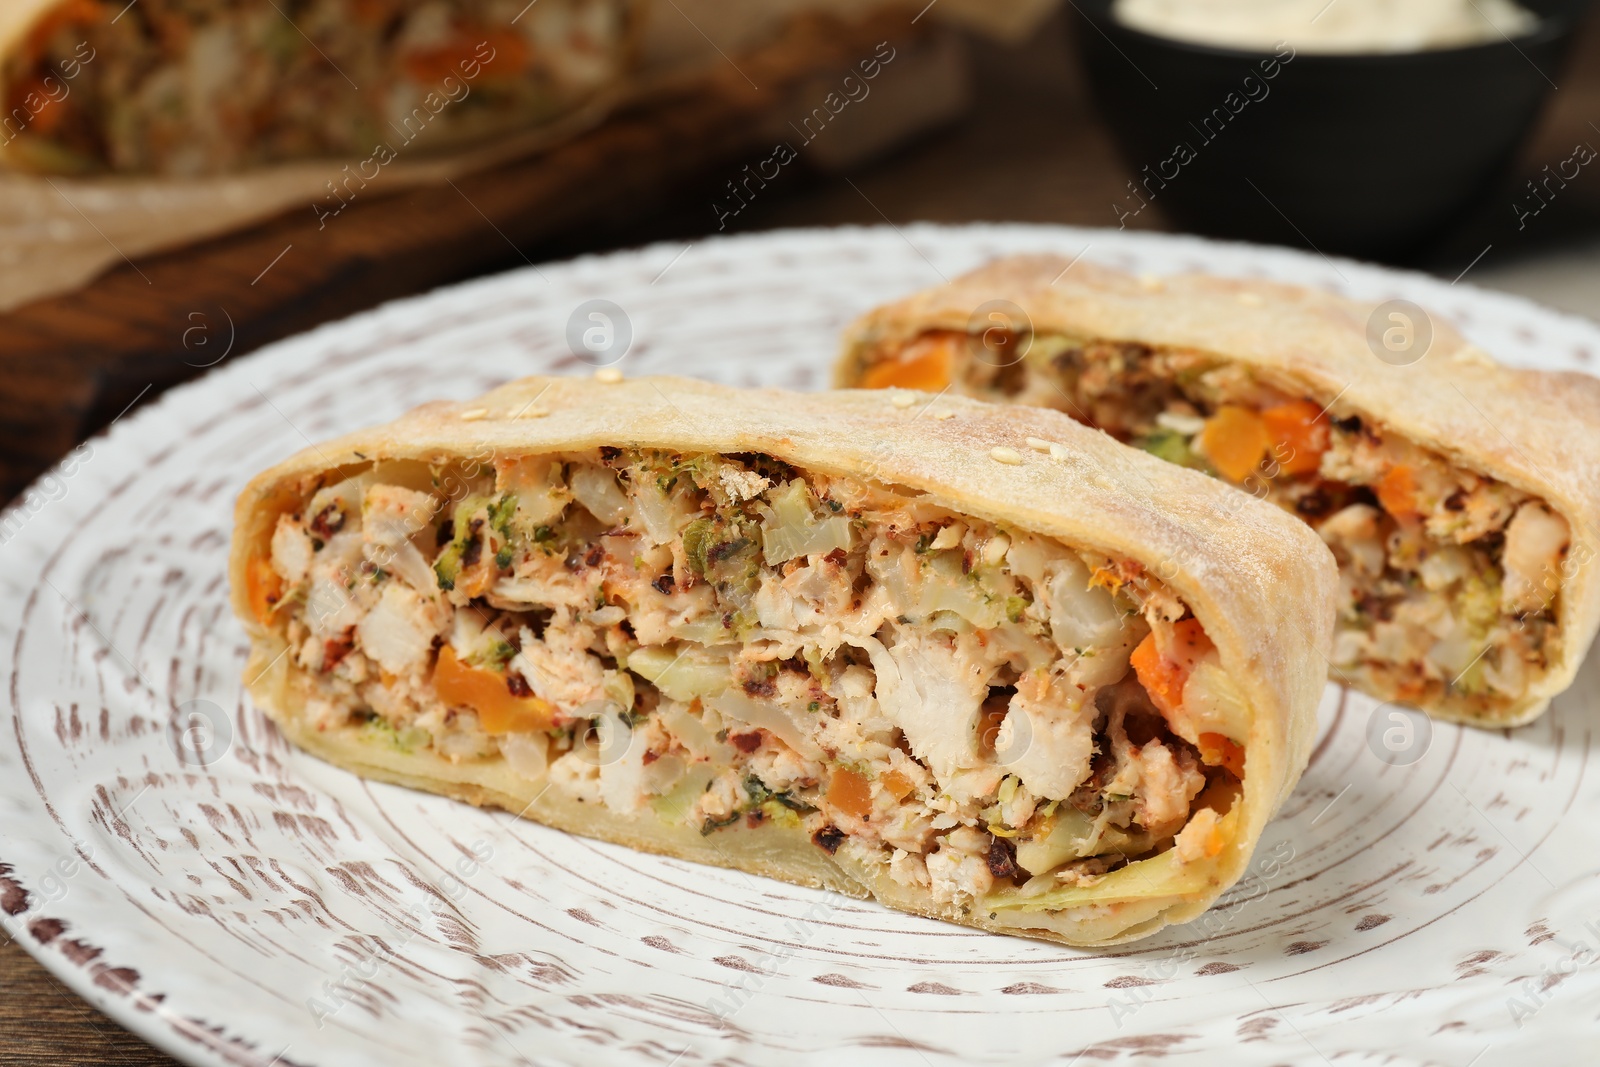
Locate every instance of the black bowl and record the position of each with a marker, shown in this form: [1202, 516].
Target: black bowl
[1368, 155]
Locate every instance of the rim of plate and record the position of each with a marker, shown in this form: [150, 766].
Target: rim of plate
[190, 1041]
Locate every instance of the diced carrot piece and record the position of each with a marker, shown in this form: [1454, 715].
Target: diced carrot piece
[475, 581]
[264, 588]
[485, 692]
[335, 649]
[1397, 491]
[511, 52]
[1216, 840]
[925, 364]
[896, 785]
[848, 791]
[431, 66]
[1235, 440]
[1116, 576]
[1164, 676]
[1161, 678]
[1299, 433]
[48, 118]
[1217, 750]
[1411, 689]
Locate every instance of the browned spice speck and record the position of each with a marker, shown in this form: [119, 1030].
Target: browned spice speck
[829, 838]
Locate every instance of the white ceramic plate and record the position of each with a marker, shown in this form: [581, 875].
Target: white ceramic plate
[237, 902]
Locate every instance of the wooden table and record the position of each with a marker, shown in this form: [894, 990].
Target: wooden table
[1030, 150]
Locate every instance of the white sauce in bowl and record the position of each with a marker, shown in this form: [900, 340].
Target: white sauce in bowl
[1350, 26]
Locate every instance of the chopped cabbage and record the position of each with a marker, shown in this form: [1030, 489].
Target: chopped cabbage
[541, 495]
[786, 724]
[1029, 555]
[683, 674]
[1070, 836]
[789, 529]
[528, 755]
[596, 489]
[1172, 446]
[920, 585]
[674, 806]
[1477, 603]
[1158, 876]
[619, 687]
[691, 732]
[410, 564]
[706, 630]
[1081, 616]
[1213, 703]
[723, 550]
[407, 739]
[661, 775]
[946, 588]
[1073, 835]
[661, 514]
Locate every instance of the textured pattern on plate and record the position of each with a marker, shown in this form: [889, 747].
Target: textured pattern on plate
[238, 902]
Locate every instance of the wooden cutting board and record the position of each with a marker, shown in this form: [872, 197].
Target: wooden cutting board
[73, 363]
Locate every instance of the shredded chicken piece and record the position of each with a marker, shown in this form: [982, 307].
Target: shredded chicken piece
[399, 630]
[1046, 739]
[1536, 541]
[958, 869]
[742, 485]
[291, 549]
[933, 687]
[1195, 841]
[559, 666]
[1355, 534]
